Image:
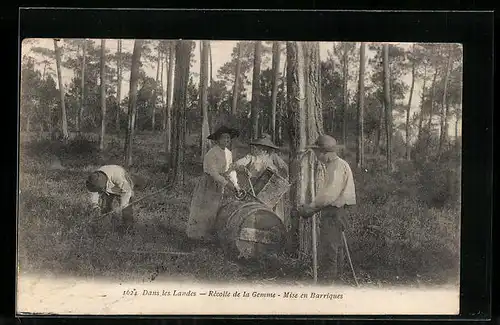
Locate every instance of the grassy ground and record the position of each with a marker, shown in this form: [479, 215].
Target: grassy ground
[54, 216]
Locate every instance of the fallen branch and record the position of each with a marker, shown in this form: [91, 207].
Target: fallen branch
[150, 252]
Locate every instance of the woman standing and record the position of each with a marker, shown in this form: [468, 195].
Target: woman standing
[212, 186]
[263, 155]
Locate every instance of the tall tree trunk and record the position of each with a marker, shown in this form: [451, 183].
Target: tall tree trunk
[304, 109]
[256, 90]
[182, 59]
[119, 85]
[44, 69]
[422, 101]
[456, 126]
[134, 79]
[361, 101]
[211, 66]
[236, 88]
[284, 124]
[274, 94]
[64, 121]
[162, 86]
[102, 74]
[408, 144]
[388, 108]
[457, 119]
[444, 106]
[82, 94]
[168, 122]
[155, 97]
[378, 140]
[204, 46]
[431, 111]
[345, 99]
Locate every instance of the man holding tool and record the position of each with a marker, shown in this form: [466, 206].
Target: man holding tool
[108, 183]
[337, 192]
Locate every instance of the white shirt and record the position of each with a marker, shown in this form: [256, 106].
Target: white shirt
[216, 162]
[338, 188]
[117, 184]
[255, 164]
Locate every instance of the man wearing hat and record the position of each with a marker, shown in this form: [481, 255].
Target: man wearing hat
[263, 155]
[212, 186]
[336, 193]
[108, 183]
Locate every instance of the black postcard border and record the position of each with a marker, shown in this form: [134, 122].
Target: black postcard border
[473, 29]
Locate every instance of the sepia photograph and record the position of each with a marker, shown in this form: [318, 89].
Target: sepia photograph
[202, 177]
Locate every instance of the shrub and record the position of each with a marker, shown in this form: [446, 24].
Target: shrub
[404, 237]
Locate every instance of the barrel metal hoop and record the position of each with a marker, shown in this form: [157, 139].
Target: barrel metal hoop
[257, 236]
[234, 213]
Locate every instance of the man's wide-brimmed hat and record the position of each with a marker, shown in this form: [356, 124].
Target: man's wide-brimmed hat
[233, 133]
[326, 143]
[265, 141]
[96, 182]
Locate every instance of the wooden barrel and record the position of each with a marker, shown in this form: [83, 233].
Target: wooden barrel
[250, 230]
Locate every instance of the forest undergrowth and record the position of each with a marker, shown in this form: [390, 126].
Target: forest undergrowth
[403, 231]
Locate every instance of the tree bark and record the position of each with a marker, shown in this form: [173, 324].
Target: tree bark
[211, 66]
[119, 85]
[256, 90]
[134, 79]
[162, 86]
[421, 115]
[444, 106]
[388, 108]
[345, 99]
[182, 59]
[304, 109]
[361, 102]
[44, 69]
[103, 93]
[64, 121]
[431, 111]
[168, 115]
[155, 97]
[204, 46]
[457, 119]
[408, 109]
[236, 89]
[274, 94]
[82, 94]
[378, 140]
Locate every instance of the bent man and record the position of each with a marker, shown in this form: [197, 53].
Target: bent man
[108, 183]
[336, 193]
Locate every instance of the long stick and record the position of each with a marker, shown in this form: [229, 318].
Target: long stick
[138, 200]
[349, 258]
[313, 226]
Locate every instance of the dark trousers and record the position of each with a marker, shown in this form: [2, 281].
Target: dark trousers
[107, 206]
[331, 246]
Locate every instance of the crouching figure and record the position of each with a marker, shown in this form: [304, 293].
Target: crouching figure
[108, 183]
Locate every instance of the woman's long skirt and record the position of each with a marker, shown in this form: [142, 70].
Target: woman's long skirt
[207, 197]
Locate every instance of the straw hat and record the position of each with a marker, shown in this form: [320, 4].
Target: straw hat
[224, 129]
[265, 141]
[326, 143]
